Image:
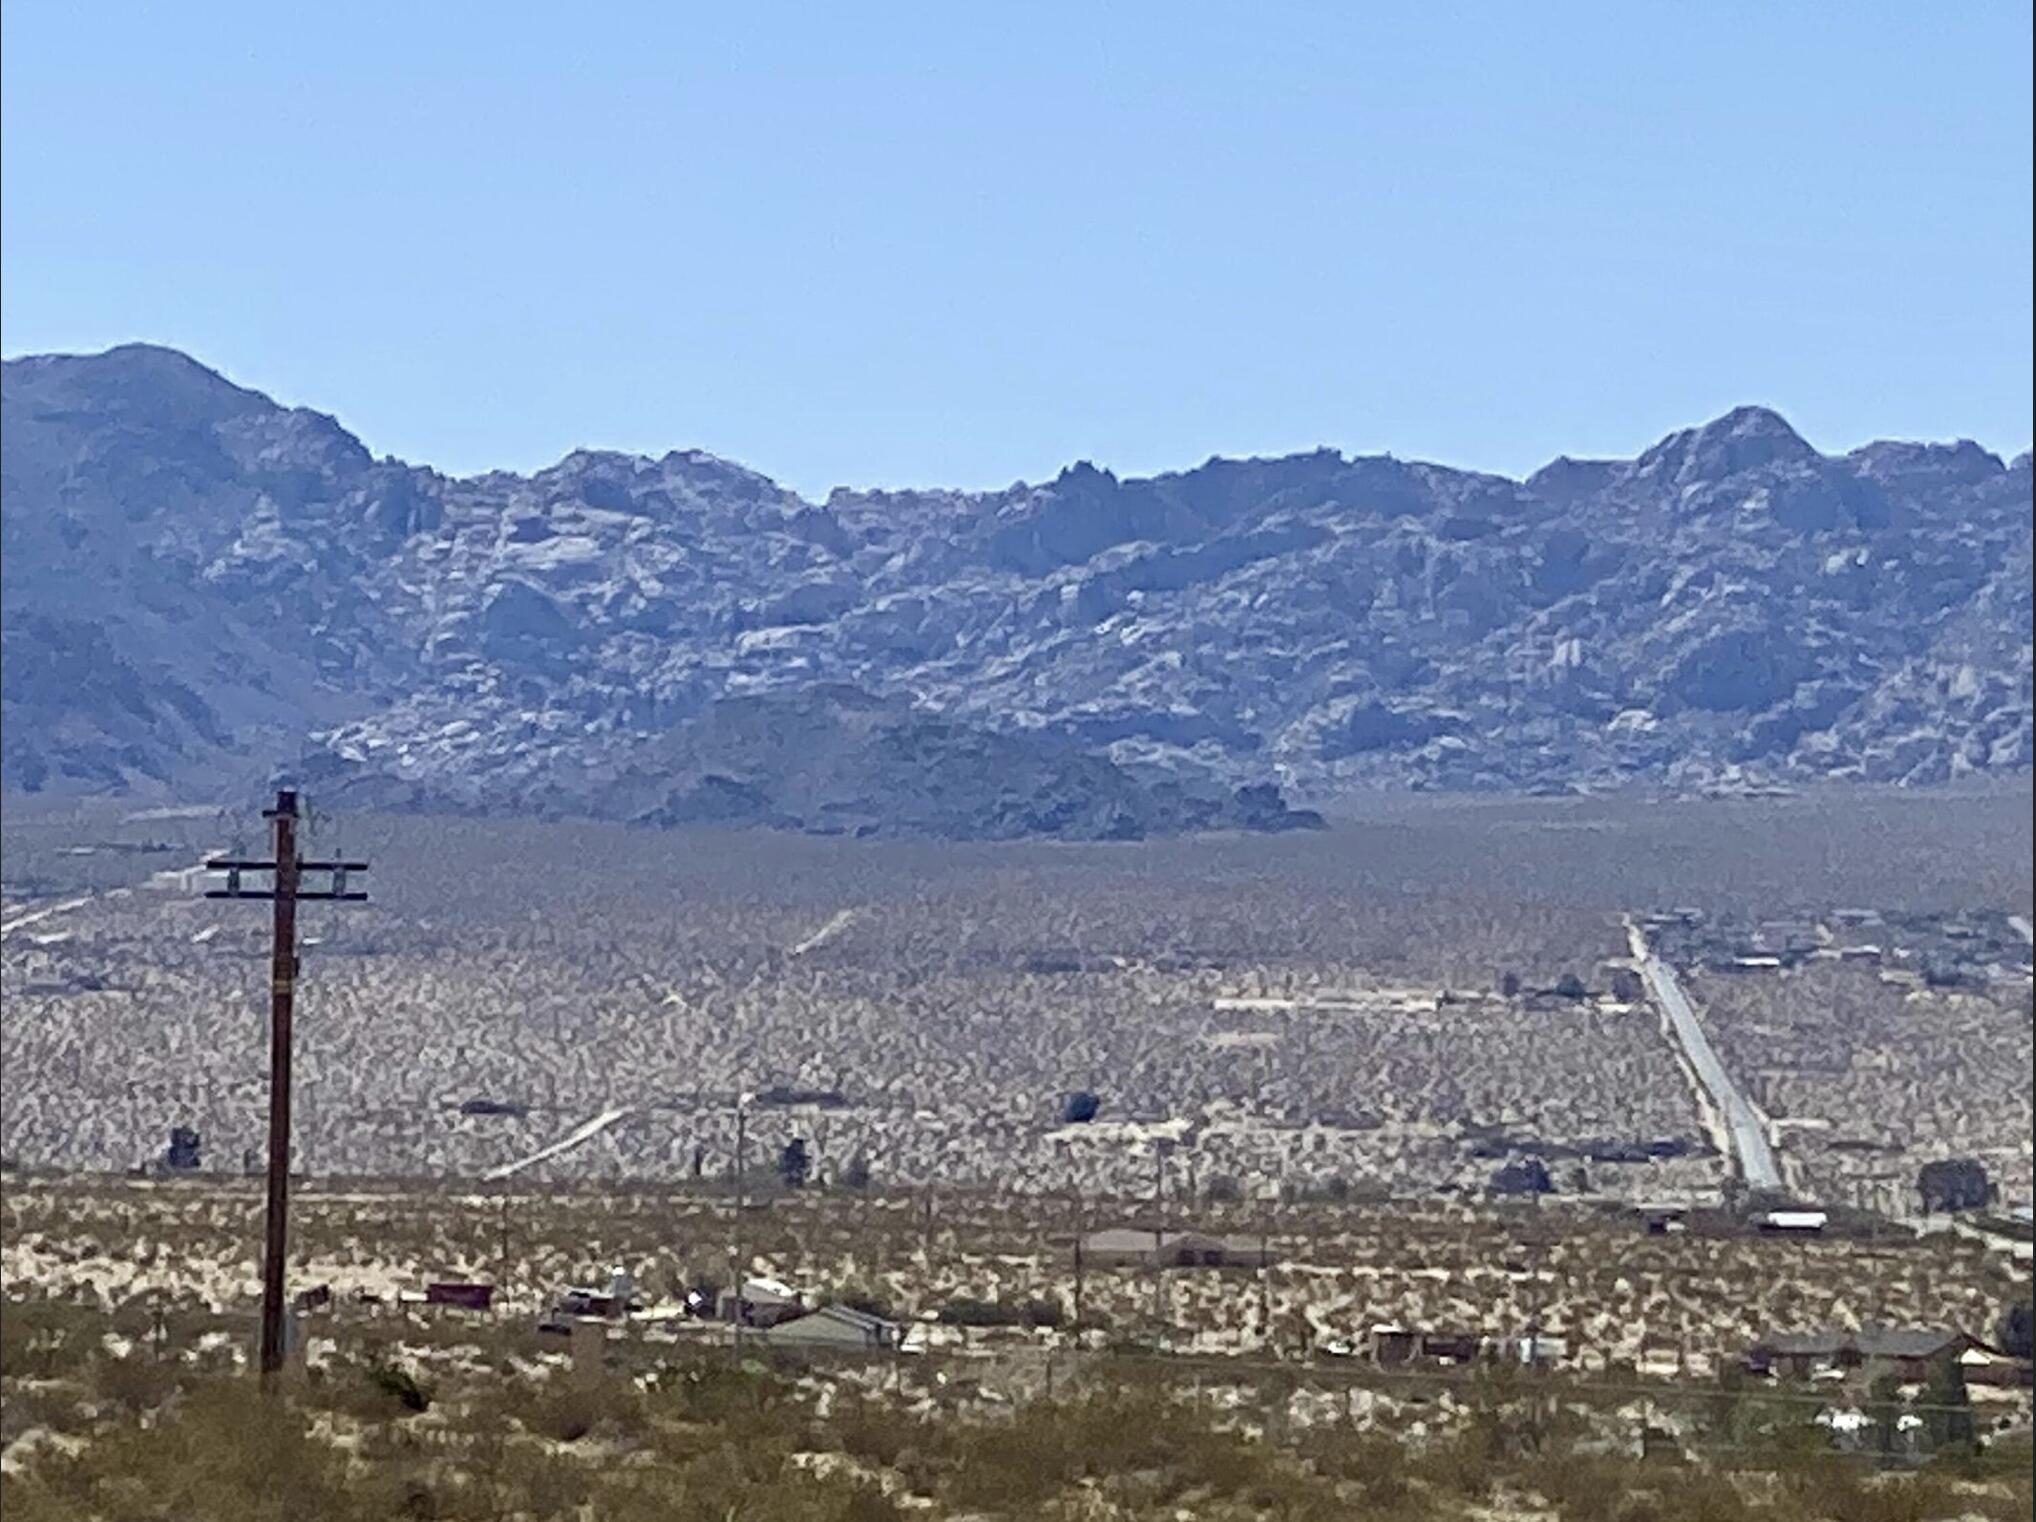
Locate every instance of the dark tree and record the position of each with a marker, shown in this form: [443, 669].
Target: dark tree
[1080, 1108]
[183, 1150]
[1956, 1183]
[1570, 986]
[2016, 1340]
[1048, 1312]
[1509, 985]
[857, 1174]
[1884, 1408]
[1948, 1417]
[794, 1164]
[1527, 1176]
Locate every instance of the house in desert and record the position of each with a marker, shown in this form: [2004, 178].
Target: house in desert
[1911, 1354]
[762, 1302]
[1139, 1247]
[1390, 1345]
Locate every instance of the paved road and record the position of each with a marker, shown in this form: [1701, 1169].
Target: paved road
[1756, 1159]
[37, 916]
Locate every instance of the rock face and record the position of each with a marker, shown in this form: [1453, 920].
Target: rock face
[836, 761]
[200, 585]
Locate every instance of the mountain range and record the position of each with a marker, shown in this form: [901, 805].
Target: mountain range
[199, 587]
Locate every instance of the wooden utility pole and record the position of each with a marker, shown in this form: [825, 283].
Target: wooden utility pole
[1160, 1148]
[737, 1259]
[1078, 1272]
[288, 870]
[503, 1272]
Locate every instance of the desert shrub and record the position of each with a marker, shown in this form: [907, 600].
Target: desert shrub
[46, 1339]
[876, 1431]
[1373, 1461]
[400, 1387]
[566, 1411]
[136, 1383]
[1117, 1435]
[1820, 1482]
[1596, 1488]
[1862, 1496]
[225, 1451]
[505, 1475]
[1459, 1464]
[725, 1485]
[716, 1394]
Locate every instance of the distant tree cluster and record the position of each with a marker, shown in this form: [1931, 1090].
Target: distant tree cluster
[1527, 1176]
[794, 1164]
[1957, 1183]
[2016, 1329]
[964, 1311]
[183, 1149]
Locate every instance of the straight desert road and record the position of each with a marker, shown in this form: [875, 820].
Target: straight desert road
[1750, 1146]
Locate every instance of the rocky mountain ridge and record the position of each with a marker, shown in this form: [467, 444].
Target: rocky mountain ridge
[197, 580]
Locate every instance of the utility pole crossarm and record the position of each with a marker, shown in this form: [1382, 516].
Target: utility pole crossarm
[349, 897]
[233, 866]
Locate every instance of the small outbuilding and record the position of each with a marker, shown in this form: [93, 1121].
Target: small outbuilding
[836, 1327]
[762, 1303]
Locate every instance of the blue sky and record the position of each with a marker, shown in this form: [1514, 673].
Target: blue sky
[960, 245]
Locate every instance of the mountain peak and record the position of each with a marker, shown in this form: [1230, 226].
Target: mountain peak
[1753, 421]
[132, 377]
[1745, 438]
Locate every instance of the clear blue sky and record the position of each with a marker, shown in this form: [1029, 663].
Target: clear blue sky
[960, 244]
